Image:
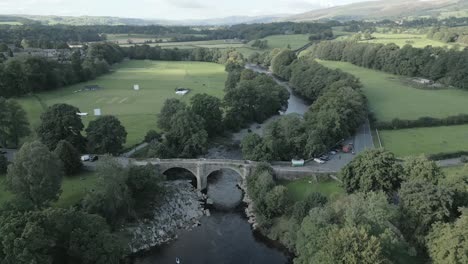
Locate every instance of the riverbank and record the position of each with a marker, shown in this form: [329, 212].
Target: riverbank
[181, 209]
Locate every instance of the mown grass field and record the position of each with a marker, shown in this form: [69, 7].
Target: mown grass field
[431, 140]
[137, 110]
[391, 96]
[13, 23]
[74, 188]
[299, 189]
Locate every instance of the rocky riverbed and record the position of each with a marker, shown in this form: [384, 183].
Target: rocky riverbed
[181, 208]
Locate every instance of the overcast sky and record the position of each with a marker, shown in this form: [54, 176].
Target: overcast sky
[164, 9]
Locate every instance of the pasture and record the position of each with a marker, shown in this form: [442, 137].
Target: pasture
[295, 41]
[391, 96]
[430, 140]
[415, 40]
[136, 110]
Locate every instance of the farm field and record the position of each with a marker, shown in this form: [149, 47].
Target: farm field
[299, 189]
[431, 140]
[391, 97]
[276, 41]
[454, 171]
[136, 110]
[415, 40]
[74, 189]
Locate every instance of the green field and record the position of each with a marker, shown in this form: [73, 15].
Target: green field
[13, 23]
[295, 41]
[454, 171]
[137, 110]
[299, 189]
[415, 40]
[73, 189]
[391, 96]
[416, 141]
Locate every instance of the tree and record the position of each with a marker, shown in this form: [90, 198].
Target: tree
[253, 148]
[349, 229]
[372, 170]
[169, 109]
[302, 208]
[69, 156]
[14, 123]
[152, 135]
[106, 135]
[57, 236]
[447, 243]
[458, 185]
[420, 168]
[3, 164]
[111, 198]
[36, 175]
[280, 63]
[423, 204]
[351, 245]
[209, 108]
[144, 183]
[60, 122]
[276, 201]
[187, 136]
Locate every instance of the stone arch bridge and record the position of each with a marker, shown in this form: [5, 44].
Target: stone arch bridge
[202, 168]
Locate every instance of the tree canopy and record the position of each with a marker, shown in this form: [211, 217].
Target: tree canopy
[60, 122]
[372, 170]
[106, 135]
[36, 174]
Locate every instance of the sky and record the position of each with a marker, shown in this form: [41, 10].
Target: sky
[164, 9]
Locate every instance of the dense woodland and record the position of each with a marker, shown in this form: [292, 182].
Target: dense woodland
[393, 212]
[40, 36]
[449, 67]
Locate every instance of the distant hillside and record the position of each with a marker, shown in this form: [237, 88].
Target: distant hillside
[385, 9]
[112, 21]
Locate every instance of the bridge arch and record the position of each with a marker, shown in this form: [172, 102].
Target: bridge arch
[171, 171]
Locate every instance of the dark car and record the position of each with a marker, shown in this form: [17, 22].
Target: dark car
[93, 158]
[324, 157]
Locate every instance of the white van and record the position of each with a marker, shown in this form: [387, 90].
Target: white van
[319, 161]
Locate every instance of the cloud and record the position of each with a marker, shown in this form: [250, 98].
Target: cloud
[186, 4]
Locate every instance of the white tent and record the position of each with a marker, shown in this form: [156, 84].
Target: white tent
[136, 87]
[82, 114]
[97, 112]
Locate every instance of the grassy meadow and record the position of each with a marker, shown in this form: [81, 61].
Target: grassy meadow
[137, 110]
[391, 96]
[299, 189]
[430, 140]
[74, 189]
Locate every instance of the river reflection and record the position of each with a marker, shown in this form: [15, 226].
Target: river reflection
[223, 237]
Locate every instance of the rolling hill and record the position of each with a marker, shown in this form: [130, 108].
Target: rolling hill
[384, 9]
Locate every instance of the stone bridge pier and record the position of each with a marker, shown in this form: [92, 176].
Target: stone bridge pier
[202, 168]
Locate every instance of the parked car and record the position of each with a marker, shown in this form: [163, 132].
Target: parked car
[93, 158]
[333, 152]
[324, 157]
[319, 161]
[85, 158]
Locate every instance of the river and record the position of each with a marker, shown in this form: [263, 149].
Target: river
[226, 236]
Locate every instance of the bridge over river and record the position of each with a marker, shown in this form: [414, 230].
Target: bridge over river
[202, 168]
